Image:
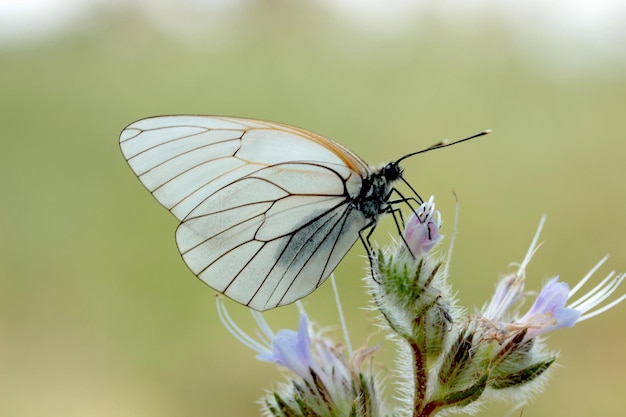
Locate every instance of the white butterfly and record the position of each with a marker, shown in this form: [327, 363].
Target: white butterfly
[267, 210]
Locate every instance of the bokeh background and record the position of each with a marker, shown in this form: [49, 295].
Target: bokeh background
[98, 314]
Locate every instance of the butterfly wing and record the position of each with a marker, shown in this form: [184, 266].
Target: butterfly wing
[265, 208]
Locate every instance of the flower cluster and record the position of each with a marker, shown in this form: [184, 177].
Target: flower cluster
[323, 380]
[449, 360]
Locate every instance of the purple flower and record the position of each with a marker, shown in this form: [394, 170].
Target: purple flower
[324, 379]
[301, 352]
[421, 232]
[292, 350]
[286, 348]
[551, 310]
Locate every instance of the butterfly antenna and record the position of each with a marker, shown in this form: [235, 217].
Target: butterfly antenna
[444, 143]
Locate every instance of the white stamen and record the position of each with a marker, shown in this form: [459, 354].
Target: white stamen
[586, 277]
[597, 295]
[266, 334]
[533, 247]
[235, 330]
[603, 309]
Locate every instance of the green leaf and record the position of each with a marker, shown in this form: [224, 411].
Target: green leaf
[520, 377]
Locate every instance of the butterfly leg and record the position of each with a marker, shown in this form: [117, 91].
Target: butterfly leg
[371, 256]
[399, 221]
[405, 200]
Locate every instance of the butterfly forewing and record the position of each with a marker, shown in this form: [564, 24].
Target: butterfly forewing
[184, 159]
[265, 208]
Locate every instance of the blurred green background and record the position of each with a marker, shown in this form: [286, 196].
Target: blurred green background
[100, 317]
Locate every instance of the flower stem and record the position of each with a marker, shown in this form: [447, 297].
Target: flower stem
[426, 411]
[420, 380]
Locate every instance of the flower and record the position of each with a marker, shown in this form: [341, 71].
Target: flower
[448, 361]
[324, 381]
[286, 348]
[421, 232]
[292, 349]
[550, 310]
[510, 289]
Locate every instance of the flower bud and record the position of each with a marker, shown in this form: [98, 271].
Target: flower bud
[421, 232]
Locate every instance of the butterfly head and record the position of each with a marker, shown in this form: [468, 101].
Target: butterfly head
[391, 172]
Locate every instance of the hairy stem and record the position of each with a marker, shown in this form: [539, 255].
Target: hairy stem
[420, 378]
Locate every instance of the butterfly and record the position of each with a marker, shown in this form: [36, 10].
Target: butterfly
[267, 210]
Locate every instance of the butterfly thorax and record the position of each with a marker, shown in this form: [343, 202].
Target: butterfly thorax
[376, 190]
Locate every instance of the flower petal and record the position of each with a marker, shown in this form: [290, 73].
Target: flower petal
[563, 317]
[292, 350]
[552, 297]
